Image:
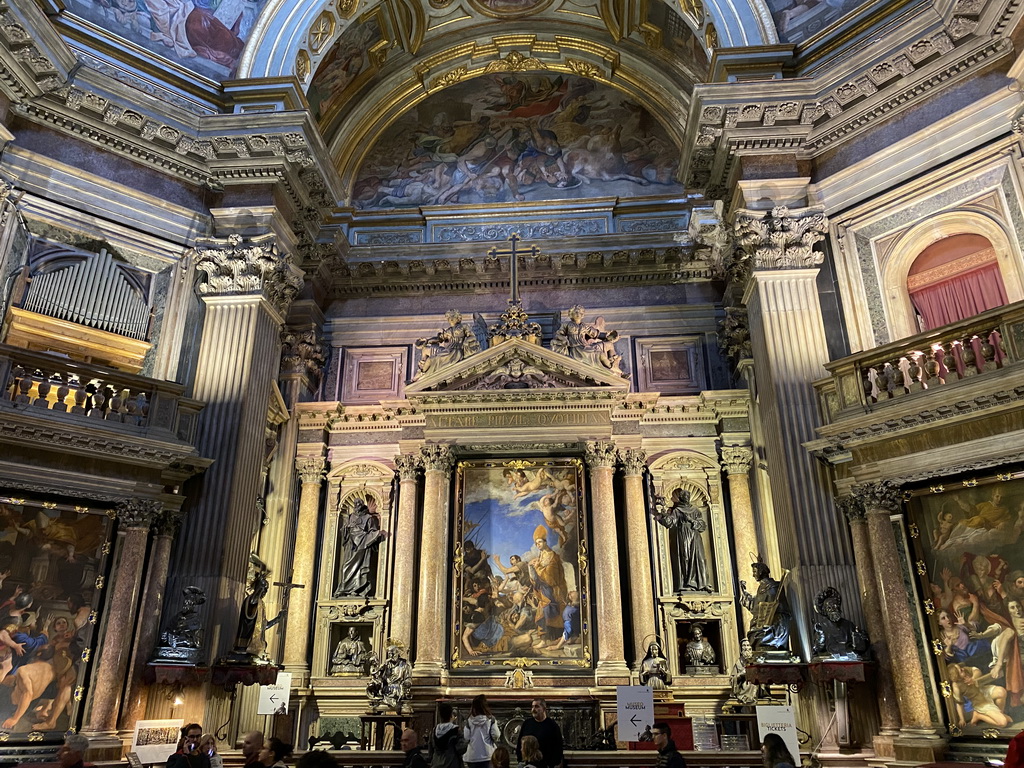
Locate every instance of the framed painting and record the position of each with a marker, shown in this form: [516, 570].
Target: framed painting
[969, 552]
[52, 565]
[521, 586]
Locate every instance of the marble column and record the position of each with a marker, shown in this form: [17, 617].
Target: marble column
[247, 292]
[406, 530]
[604, 564]
[134, 517]
[638, 550]
[434, 559]
[300, 605]
[165, 527]
[737, 461]
[880, 501]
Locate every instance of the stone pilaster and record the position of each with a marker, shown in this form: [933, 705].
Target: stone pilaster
[611, 665]
[300, 606]
[638, 550]
[737, 461]
[888, 708]
[880, 501]
[247, 291]
[134, 517]
[403, 594]
[434, 558]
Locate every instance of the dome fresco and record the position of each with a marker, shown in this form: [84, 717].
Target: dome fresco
[523, 137]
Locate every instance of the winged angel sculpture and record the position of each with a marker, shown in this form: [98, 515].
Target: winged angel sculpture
[589, 342]
[452, 344]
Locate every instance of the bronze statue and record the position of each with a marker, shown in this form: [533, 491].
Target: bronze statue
[699, 651]
[250, 644]
[690, 569]
[743, 691]
[360, 536]
[654, 668]
[449, 345]
[588, 342]
[836, 637]
[389, 686]
[349, 655]
[771, 624]
[182, 642]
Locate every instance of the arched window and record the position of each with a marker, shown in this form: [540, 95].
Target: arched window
[955, 278]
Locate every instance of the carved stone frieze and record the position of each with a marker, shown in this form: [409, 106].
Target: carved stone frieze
[437, 458]
[138, 513]
[779, 239]
[734, 335]
[303, 352]
[882, 497]
[600, 453]
[310, 468]
[852, 507]
[633, 460]
[737, 459]
[91, 443]
[233, 266]
[408, 466]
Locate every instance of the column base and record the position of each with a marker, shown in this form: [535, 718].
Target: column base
[104, 746]
[919, 745]
[883, 745]
[612, 673]
[428, 672]
[300, 674]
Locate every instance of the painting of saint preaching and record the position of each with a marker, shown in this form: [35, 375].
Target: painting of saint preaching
[971, 561]
[520, 565]
[52, 557]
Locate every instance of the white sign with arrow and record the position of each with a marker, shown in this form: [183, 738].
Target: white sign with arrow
[274, 698]
[635, 708]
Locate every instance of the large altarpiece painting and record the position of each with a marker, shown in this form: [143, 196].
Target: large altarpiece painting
[970, 559]
[521, 582]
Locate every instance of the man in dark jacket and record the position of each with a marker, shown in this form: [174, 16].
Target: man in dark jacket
[668, 755]
[547, 733]
[447, 746]
[189, 756]
[411, 746]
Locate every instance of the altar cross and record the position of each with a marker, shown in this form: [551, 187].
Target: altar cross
[513, 255]
[282, 615]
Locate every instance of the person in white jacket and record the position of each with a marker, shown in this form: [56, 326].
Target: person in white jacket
[482, 733]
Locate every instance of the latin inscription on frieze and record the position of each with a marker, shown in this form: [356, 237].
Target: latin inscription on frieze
[514, 419]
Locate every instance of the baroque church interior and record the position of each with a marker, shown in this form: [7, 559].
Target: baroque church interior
[419, 349]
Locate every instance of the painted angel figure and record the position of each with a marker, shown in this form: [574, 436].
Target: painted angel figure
[452, 344]
[588, 342]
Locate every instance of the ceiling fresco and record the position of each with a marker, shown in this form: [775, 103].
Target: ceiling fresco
[798, 20]
[525, 137]
[348, 65]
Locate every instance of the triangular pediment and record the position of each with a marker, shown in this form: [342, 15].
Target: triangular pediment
[518, 365]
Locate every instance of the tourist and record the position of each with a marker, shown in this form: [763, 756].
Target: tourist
[446, 743]
[189, 754]
[410, 743]
[500, 758]
[274, 753]
[532, 756]
[546, 731]
[668, 755]
[775, 753]
[72, 752]
[208, 747]
[252, 745]
[482, 734]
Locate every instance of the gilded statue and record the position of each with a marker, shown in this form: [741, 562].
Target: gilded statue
[389, 685]
[588, 342]
[452, 344]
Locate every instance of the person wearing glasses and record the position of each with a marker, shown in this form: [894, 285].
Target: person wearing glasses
[189, 755]
[668, 755]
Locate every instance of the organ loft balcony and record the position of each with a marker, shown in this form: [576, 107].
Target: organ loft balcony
[945, 400]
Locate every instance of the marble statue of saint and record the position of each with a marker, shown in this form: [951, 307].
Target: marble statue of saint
[699, 651]
[690, 568]
[389, 684]
[360, 536]
[588, 342]
[349, 655]
[836, 637]
[772, 619]
[449, 345]
[654, 668]
[250, 643]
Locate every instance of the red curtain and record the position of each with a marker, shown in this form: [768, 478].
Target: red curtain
[960, 297]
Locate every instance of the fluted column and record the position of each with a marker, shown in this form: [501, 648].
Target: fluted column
[434, 559]
[134, 517]
[888, 707]
[736, 461]
[248, 289]
[165, 527]
[402, 602]
[296, 639]
[881, 500]
[634, 461]
[611, 665]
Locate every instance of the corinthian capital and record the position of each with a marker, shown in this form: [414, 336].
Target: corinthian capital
[168, 522]
[138, 513]
[302, 351]
[852, 507]
[633, 461]
[780, 238]
[437, 458]
[407, 465]
[310, 468]
[734, 335]
[882, 496]
[737, 459]
[600, 454]
[236, 267]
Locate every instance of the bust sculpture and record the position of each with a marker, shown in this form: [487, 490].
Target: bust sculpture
[654, 668]
[836, 638]
[699, 651]
[349, 655]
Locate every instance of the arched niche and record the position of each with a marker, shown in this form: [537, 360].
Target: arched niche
[896, 263]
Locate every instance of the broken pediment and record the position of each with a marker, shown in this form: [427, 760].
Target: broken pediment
[518, 365]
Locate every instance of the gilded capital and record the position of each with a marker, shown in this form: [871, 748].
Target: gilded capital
[302, 351]
[138, 513]
[310, 468]
[600, 454]
[407, 465]
[780, 238]
[881, 497]
[852, 507]
[237, 267]
[437, 458]
[737, 459]
[633, 460]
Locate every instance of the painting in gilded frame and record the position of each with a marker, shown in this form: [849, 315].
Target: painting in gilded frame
[52, 569]
[969, 552]
[521, 582]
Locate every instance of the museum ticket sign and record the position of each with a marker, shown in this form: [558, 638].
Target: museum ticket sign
[780, 720]
[274, 698]
[635, 708]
